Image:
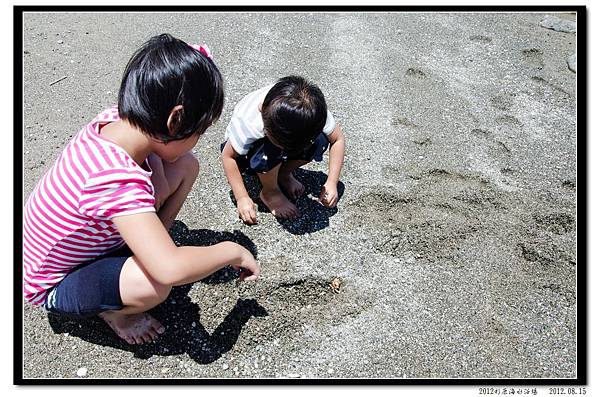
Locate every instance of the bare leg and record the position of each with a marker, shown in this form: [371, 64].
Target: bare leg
[291, 186]
[181, 176]
[139, 292]
[273, 198]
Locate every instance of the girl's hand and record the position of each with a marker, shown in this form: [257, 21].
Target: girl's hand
[246, 210]
[329, 195]
[248, 265]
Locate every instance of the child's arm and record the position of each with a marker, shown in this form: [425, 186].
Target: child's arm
[245, 205]
[170, 265]
[329, 194]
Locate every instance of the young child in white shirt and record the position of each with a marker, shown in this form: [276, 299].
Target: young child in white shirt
[272, 132]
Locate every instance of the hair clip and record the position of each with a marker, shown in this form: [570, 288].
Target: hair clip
[203, 49]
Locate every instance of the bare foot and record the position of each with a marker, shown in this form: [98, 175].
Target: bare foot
[291, 186]
[279, 205]
[133, 328]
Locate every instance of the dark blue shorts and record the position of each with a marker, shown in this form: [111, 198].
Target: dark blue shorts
[263, 156]
[90, 288]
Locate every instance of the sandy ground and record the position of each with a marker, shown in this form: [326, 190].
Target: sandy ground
[455, 237]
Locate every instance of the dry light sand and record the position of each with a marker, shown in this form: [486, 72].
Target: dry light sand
[455, 237]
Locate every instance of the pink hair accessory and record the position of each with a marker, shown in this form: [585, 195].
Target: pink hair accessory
[203, 49]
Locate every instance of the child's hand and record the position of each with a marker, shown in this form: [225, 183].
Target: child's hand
[329, 195]
[248, 265]
[247, 210]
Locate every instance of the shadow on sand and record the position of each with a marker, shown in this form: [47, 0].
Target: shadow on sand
[313, 215]
[179, 315]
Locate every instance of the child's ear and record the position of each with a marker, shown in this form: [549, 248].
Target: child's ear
[260, 107]
[174, 118]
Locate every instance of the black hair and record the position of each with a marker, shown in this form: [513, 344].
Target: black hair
[166, 72]
[294, 113]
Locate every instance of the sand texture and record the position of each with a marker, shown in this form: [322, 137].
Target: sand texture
[455, 236]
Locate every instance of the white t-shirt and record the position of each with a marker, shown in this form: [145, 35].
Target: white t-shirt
[246, 125]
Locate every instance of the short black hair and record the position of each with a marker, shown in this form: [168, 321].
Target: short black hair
[294, 112]
[166, 72]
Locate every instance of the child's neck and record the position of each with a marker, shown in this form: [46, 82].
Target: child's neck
[131, 139]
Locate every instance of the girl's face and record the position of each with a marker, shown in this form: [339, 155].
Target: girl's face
[171, 151]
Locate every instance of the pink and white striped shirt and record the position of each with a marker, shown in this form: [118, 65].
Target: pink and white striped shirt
[67, 217]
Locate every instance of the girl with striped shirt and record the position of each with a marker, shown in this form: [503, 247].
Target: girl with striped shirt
[95, 228]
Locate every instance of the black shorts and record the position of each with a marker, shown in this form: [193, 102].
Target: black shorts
[90, 288]
[263, 156]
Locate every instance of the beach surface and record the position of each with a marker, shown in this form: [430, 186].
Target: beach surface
[455, 237]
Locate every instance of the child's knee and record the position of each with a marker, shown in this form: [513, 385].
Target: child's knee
[190, 166]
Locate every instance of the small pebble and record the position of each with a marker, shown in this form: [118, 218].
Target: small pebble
[60, 41]
[225, 366]
[293, 375]
[330, 371]
[164, 370]
[81, 372]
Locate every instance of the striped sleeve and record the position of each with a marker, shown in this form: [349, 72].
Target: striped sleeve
[115, 192]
